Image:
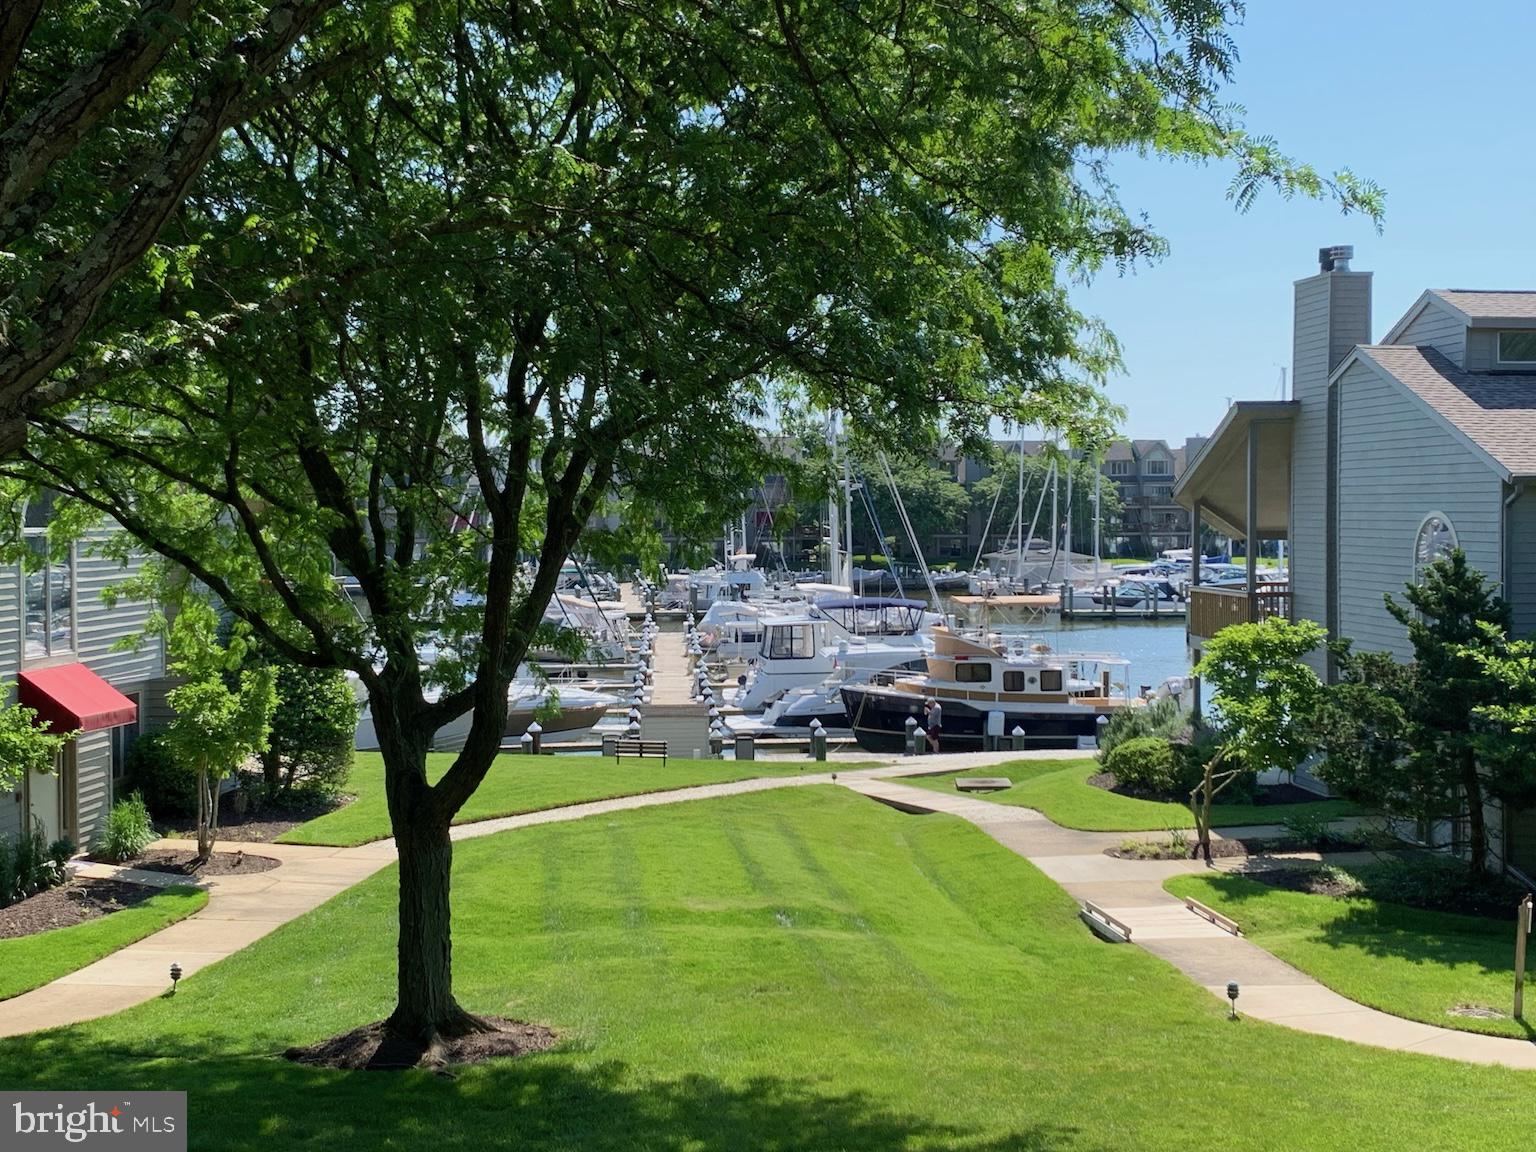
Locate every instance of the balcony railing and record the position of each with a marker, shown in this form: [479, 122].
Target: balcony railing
[1212, 609]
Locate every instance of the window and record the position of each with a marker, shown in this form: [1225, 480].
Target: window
[1119, 467]
[1517, 347]
[1155, 467]
[968, 672]
[1050, 679]
[50, 587]
[123, 737]
[1013, 681]
[1436, 538]
[790, 642]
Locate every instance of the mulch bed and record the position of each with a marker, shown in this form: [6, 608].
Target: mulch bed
[219, 864]
[1249, 847]
[1269, 794]
[265, 825]
[370, 1048]
[69, 904]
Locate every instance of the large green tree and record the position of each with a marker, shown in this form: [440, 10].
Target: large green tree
[536, 253]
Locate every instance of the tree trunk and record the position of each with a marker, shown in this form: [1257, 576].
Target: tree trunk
[204, 814]
[1477, 824]
[271, 772]
[425, 1010]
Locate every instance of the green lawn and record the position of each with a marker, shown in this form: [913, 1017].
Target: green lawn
[1398, 959]
[1060, 790]
[518, 784]
[791, 970]
[28, 962]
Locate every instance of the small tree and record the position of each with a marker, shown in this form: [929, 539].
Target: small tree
[222, 712]
[1361, 727]
[1504, 732]
[26, 746]
[1458, 628]
[314, 727]
[1266, 696]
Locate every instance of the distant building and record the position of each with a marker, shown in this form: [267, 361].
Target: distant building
[1145, 472]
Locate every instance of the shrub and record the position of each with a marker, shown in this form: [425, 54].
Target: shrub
[1163, 718]
[167, 784]
[28, 869]
[313, 730]
[59, 854]
[1145, 764]
[129, 830]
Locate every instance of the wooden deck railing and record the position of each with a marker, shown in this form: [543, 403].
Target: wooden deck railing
[1212, 609]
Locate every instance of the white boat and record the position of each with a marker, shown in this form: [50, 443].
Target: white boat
[563, 713]
[1137, 594]
[853, 637]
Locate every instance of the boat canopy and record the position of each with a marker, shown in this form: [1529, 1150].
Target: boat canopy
[869, 602]
[874, 615]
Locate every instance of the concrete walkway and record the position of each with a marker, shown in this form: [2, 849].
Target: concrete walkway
[243, 909]
[1132, 892]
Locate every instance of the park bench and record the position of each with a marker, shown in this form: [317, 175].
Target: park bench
[640, 748]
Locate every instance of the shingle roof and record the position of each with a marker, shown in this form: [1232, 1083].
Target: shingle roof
[1118, 450]
[1480, 305]
[1143, 447]
[1496, 411]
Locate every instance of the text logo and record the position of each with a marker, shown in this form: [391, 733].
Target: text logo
[98, 1121]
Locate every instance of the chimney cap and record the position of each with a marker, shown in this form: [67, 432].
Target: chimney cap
[1335, 258]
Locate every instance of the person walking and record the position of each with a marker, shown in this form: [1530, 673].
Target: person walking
[933, 711]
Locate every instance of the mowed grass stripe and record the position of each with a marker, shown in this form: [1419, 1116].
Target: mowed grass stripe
[1046, 1039]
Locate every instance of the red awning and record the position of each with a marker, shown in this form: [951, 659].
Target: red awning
[72, 698]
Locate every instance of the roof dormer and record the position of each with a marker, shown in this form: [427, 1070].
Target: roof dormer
[1478, 331]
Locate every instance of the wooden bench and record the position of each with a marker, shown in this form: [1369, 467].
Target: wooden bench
[640, 748]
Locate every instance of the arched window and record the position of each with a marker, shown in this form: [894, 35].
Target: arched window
[49, 624]
[1436, 538]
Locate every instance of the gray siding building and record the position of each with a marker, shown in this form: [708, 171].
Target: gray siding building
[60, 654]
[1389, 455]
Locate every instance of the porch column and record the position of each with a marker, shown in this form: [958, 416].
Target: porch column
[1194, 540]
[1253, 509]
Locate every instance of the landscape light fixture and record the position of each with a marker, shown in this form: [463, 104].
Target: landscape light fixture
[175, 977]
[1232, 991]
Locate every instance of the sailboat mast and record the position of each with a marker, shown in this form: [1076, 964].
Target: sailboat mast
[834, 511]
[847, 522]
[1055, 508]
[1018, 564]
[1098, 523]
[1069, 515]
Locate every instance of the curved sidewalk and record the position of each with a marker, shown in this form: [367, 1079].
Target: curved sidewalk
[243, 909]
[1132, 891]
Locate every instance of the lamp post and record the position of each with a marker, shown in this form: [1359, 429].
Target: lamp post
[175, 977]
[1232, 991]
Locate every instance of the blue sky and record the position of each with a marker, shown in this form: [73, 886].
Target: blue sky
[1433, 101]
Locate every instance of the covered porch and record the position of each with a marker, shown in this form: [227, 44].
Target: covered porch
[1240, 484]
